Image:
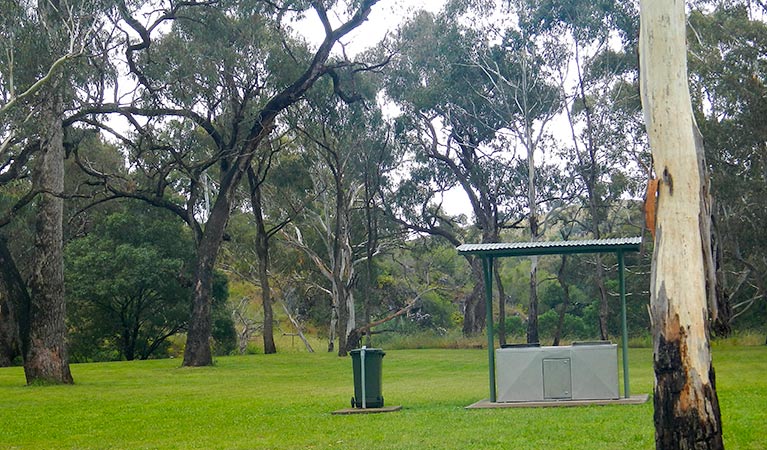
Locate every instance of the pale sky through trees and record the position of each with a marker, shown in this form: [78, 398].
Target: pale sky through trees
[385, 17]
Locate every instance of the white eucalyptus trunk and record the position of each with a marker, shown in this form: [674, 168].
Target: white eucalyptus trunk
[686, 406]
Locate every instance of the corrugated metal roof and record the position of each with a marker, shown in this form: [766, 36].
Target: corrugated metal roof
[552, 247]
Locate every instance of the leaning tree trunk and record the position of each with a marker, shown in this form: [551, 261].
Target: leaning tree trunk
[686, 405]
[46, 358]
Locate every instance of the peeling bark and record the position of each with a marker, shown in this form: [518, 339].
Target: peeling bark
[687, 412]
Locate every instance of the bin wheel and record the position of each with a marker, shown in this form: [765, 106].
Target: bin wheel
[353, 402]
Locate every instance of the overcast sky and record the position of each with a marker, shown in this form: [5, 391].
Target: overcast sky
[385, 17]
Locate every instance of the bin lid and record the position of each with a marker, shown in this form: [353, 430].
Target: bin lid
[374, 351]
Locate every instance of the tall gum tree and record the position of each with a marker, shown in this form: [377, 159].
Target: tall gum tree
[239, 139]
[197, 351]
[687, 412]
[39, 44]
[465, 99]
[599, 80]
[46, 355]
[337, 145]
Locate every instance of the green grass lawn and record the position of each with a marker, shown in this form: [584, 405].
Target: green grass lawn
[284, 401]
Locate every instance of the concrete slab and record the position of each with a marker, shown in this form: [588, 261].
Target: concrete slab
[385, 409]
[487, 404]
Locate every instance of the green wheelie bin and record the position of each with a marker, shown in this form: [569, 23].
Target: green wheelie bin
[366, 365]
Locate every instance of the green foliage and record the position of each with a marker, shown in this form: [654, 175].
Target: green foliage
[428, 268]
[222, 327]
[125, 284]
[515, 326]
[574, 327]
[435, 311]
[128, 287]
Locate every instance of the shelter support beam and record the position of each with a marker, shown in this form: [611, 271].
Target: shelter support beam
[624, 326]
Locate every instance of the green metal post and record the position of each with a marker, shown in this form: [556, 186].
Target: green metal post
[487, 265]
[624, 326]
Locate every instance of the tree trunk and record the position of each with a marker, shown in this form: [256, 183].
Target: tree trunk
[333, 325]
[266, 294]
[722, 325]
[343, 320]
[532, 309]
[371, 219]
[262, 251]
[345, 284]
[474, 307]
[128, 349]
[565, 300]
[592, 180]
[197, 351]
[9, 329]
[686, 405]
[299, 330]
[501, 307]
[13, 297]
[46, 358]
[604, 308]
[342, 257]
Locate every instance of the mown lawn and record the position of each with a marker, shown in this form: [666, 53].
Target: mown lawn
[284, 401]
